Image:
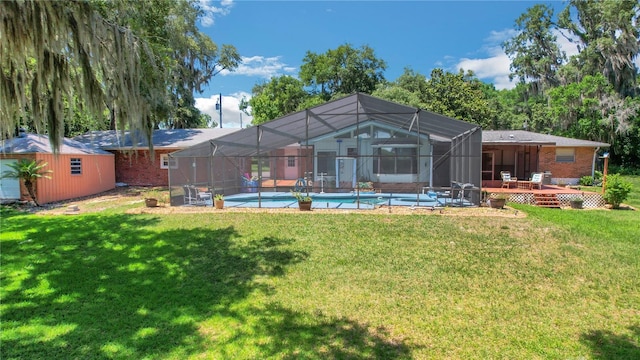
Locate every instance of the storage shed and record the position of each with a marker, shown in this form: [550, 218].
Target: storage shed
[77, 170]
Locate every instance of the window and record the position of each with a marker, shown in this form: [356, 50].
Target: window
[565, 155]
[291, 161]
[326, 162]
[395, 160]
[76, 166]
[166, 162]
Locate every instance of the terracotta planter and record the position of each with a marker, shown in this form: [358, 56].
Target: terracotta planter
[304, 205]
[151, 202]
[219, 204]
[497, 203]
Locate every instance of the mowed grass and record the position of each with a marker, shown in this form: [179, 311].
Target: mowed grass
[558, 284]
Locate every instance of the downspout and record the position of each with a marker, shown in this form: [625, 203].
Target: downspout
[593, 163]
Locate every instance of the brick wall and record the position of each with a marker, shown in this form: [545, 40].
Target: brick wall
[137, 169]
[575, 170]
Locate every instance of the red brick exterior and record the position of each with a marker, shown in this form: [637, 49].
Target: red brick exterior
[574, 170]
[136, 169]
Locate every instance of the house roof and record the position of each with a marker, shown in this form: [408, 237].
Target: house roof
[329, 118]
[172, 139]
[35, 143]
[520, 137]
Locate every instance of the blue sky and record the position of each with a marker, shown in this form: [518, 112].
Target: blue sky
[273, 37]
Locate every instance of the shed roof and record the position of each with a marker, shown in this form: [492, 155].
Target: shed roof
[35, 143]
[520, 137]
[329, 118]
[172, 139]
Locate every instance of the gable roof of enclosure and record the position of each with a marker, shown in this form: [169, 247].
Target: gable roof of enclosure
[329, 118]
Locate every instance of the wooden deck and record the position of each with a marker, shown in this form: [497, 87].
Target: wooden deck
[546, 189]
[549, 196]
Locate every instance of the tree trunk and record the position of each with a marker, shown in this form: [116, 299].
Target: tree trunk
[29, 185]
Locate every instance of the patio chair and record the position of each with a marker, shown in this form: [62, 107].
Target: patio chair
[507, 180]
[190, 197]
[460, 193]
[536, 180]
[203, 197]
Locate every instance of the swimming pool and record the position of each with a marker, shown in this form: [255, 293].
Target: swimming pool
[332, 200]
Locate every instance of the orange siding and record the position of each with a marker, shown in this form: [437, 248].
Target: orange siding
[98, 175]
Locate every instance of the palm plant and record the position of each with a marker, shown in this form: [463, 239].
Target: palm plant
[29, 171]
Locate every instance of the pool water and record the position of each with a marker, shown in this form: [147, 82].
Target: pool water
[331, 200]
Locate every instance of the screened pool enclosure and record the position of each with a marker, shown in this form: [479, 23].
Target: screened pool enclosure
[356, 144]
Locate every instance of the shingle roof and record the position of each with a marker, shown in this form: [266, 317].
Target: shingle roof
[162, 139]
[519, 137]
[34, 143]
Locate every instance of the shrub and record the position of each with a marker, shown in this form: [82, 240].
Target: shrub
[616, 190]
[598, 176]
[586, 180]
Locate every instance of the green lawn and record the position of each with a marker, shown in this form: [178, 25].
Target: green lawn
[557, 284]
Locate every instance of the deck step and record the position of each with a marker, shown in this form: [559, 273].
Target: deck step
[546, 200]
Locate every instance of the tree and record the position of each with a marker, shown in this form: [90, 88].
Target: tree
[277, 97]
[607, 33]
[459, 96]
[534, 52]
[408, 89]
[343, 70]
[29, 171]
[140, 60]
[50, 50]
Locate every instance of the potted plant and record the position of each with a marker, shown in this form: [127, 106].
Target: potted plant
[364, 187]
[151, 198]
[304, 201]
[218, 201]
[576, 202]
[497, 201]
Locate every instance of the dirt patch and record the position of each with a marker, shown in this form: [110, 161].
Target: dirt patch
[133, 198]
[395, 210]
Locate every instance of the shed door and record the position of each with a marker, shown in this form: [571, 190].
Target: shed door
[9, 187]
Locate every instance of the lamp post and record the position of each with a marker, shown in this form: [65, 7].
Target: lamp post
[605, 156]
[219, 108]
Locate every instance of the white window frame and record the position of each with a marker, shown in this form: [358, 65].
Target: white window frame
[167, 163]
[565, 155]
[75, 166]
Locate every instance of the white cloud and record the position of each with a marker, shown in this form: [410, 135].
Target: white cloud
[570, 48]
[495, 66]
[211, 11]
[498, 37]
[231, 115]
[260, 66]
